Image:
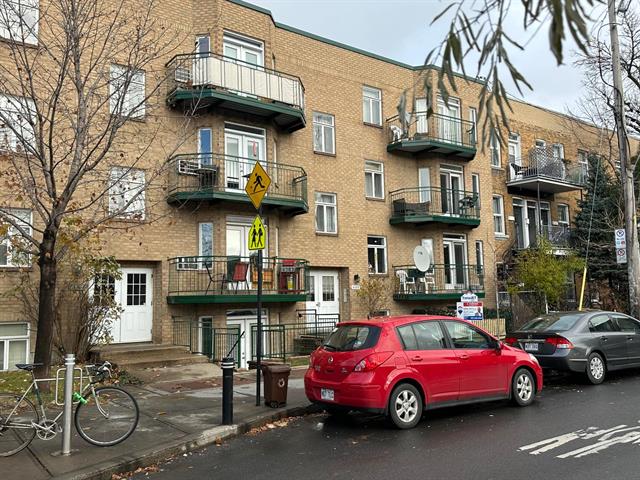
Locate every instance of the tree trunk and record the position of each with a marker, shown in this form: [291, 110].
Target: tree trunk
[46, 304]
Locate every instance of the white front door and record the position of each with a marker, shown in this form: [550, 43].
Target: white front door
[451, 191]
[238, 246]
[455, 262]
[134, 294]
[324, 290]
[246, 322]
[422, 125]
[242, 150]
[449, 129]
[515, 157]
[424, 184]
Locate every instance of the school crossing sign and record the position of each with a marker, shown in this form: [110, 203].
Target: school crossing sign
[257, 185]
[257, 235]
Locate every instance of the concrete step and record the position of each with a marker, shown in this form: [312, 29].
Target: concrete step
[147, 355]
[191, 359]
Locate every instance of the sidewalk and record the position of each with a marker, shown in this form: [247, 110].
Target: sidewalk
[180, 410]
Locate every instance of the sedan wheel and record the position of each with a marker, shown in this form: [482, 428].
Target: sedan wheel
[596, 368]
[523, 388]
[405, 406]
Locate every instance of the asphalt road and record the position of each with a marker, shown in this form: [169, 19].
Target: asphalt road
[573, 430]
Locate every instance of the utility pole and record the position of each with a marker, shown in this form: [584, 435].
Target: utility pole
[626, 169]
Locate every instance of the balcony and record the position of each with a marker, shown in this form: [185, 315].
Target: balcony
[423, 205]
[234, 279]
[433, 133]
[545, 173]
[440, 282]
[200, 81]
[558, 236]
[222, 178]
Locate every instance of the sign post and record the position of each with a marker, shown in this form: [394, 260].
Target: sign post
[256, 188]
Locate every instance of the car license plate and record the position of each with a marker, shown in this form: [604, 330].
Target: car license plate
[531, 347]
[326, 394]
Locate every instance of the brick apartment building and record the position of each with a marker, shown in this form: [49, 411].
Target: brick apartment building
[354, 190]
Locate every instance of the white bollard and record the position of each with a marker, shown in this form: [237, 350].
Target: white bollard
[69, 363]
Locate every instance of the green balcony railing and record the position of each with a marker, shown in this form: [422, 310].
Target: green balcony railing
[234, 279]
[434, 204]
[212, 176]
[423, 132]
[440, 281]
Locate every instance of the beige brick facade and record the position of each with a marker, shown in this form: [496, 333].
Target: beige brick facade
[333, 77]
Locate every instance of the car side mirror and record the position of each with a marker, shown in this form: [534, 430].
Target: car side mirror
[496, 345]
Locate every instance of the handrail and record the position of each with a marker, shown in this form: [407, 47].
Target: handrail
[427, 201]
[434, 126]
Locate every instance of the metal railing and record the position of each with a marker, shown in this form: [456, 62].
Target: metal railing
[205, 339]
[438, 127]
[542, 163]
[427, 201]
[556, 235]
[235, 275]
[197, 71]
[439, 279]
[281, 341]
[213, 172]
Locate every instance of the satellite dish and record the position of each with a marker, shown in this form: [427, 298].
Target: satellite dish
[421, 258]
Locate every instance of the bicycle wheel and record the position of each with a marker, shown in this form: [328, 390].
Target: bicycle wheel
[107, 418]
[17, 420]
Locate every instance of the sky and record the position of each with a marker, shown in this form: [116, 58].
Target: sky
[401, 30]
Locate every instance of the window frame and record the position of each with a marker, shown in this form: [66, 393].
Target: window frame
[325, 206]
[490, 340]
[495, 149]
[135, 214]
[500, 215]
[372, 101]
[373, 173]
[475, 188]
[133, 105]
[373, 270]
[6, 339]
[14, 109]
[18, 24]
[12, 232]
[565, 207]
[324, 126]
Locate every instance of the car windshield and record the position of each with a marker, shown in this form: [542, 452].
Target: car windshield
[352, 337]
[553, 323]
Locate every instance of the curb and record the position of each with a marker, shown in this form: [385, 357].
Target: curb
[195, 441]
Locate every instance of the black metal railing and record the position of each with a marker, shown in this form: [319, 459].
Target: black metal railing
[203, 338]
[281, 341]
[435, 126]
[202, 173]
[197, 71]
[543, 163]
[556, 235]
[235, 275]
[439, 279]
[429, 201]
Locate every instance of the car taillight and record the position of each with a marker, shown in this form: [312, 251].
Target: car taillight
[560, 342]
[372, 362]
[511, 341]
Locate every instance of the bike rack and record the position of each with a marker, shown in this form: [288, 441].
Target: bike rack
[78, 377]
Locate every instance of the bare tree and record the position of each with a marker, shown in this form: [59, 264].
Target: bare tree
[80, 80]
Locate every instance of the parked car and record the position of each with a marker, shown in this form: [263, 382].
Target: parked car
[589, 342]
[399, 366]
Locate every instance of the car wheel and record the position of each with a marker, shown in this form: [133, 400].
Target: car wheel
[596, 368]
[405, 406]
[523, 388]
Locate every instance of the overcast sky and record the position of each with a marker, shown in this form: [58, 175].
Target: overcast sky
[400, 29]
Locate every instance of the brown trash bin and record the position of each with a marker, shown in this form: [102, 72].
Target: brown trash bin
[276, 383]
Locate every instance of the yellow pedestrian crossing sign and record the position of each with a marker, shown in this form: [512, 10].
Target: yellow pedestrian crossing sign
[257, 235]
[257, 185]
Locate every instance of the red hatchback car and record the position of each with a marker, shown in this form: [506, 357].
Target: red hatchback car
[400, 366]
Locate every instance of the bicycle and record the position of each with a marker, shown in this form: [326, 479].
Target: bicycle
[104, 416]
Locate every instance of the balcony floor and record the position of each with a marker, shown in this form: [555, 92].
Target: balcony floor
[424, 219]
[286, 117]
[427, 145]
[547, 185]
[288, 206]
[191, 299]
[421, 297]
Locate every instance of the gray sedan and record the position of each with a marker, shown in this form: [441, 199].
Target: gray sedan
[592, 342]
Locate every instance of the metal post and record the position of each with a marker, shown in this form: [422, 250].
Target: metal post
[69, 363]
[227, 365]
[259, 329]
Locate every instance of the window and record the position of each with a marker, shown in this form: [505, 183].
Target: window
[475, 188]
[494, 148]
[479, 257]
[328, 289]
[377, 253]
[324, 133]
[126, 193]
[541, 144]
[326, 213]
[242, 48]
[13, 246]
[473, 118]
[205, 243]
[14, 344]
[498, 215]
[19, 20]
[558, 151]
[602, 323]
[583, 161]
[16, 129]
[422, 336]
[374, 179]
[627, 324]
[104, 290]
[126, 92]
[465, 336]
[352, 337]
[205, 145]
[563, 214]
[372, 105]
